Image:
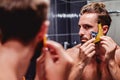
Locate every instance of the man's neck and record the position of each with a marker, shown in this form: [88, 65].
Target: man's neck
[16, 57]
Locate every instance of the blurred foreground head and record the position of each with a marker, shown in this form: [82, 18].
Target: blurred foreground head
[22, 19]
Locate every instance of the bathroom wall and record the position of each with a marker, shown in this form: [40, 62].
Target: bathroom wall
[64, 17]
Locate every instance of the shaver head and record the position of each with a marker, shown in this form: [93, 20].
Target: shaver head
[93, 34]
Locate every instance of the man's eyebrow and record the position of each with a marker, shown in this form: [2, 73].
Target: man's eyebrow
[88, 25]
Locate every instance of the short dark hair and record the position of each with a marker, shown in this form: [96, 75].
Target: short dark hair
[21, 19]
[99, 9]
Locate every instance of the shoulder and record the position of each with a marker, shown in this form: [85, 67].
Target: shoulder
[74, 51]
[117, 55]
[117, 52]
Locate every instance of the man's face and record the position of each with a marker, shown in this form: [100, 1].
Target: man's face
[87, 24]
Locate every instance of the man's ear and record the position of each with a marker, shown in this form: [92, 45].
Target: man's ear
[43, 30]
[105, 29]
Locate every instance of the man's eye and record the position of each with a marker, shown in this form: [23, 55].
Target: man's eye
[87, 26]
[79, 26]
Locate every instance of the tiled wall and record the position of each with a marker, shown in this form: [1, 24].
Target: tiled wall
[64, 16]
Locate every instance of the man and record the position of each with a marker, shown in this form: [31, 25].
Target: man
[23, 24]
[95, 61]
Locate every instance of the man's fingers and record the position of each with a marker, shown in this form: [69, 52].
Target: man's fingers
[48, 57]
[90, 47]
[91, 54]
[55, 47]
[88, 42]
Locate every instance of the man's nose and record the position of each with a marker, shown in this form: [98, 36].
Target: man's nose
[81, 31]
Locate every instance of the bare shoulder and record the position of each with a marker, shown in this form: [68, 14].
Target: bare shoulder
[74, 51]
[117, 54]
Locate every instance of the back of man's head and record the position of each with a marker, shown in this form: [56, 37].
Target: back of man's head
[21, 19]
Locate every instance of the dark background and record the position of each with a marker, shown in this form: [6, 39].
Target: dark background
[63, 27]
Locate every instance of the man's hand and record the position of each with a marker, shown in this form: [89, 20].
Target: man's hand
[112, 56]
[110, 47]
[86, 52]
[58, 64]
